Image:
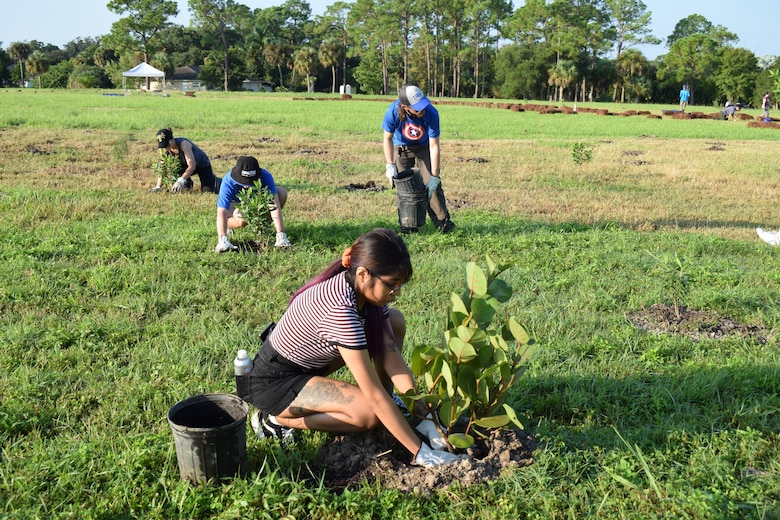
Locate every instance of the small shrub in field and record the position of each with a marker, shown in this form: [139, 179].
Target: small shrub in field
[256, 204]
[167, 167]
[479, 360]
[581, 153]
[675, 278]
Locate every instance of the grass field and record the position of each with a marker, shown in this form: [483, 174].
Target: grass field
[114, 306]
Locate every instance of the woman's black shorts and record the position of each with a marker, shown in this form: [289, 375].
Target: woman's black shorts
[275, 381]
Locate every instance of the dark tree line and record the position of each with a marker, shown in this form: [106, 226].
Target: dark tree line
[559, 50]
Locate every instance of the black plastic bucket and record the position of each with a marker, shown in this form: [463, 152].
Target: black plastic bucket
[210, 435]
[412, 199]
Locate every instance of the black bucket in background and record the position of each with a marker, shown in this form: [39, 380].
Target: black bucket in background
[412, 198]
[210, 435]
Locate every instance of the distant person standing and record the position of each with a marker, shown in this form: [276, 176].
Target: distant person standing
[685, 95]
[411, 137]
[765, 106]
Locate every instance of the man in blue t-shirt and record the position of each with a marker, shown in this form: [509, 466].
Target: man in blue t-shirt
[244, 174]
[411, 137]
[685, 95]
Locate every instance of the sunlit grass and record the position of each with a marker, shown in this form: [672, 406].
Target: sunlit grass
[113, 306]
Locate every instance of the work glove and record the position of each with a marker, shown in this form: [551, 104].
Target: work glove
[155, 189]
[433, 183]
[429, 458]
[391, 172]
[282, 240]
[178, 185]
[427, 428]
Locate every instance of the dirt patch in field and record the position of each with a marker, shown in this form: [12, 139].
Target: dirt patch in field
[351, 461]
[368, 186]
[694, 324]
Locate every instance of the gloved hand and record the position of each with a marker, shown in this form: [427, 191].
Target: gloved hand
[282, 240]
[433, 183]
[391, 172]
[178, 185]
[428, 429]
[428, 458]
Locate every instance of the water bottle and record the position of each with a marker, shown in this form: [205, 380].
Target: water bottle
[242, 365]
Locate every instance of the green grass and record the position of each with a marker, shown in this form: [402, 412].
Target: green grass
[113, 306]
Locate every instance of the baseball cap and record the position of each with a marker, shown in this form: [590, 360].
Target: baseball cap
[163, 137]
[246, 171]
[412, 96]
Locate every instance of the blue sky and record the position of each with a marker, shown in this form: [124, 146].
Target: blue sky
[58, 22]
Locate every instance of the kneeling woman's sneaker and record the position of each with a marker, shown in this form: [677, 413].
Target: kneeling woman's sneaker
[266, 427]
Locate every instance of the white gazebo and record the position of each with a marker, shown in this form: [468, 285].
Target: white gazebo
[143, 70]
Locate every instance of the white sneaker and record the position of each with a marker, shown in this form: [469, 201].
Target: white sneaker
[282, 240]
[770, 237]
[266, 428]
[224, 245]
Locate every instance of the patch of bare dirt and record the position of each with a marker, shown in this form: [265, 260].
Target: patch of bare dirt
[349, 461]
[694, 324]
[368, 186]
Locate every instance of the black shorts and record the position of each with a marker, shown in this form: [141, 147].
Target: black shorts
[275, 381]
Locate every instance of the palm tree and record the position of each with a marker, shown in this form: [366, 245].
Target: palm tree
[561, 76]
[37, 65]
[329, 57]
[20, 51]
[631, 63]
[306, 64]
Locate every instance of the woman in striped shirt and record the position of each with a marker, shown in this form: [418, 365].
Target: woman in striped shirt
[341, 317]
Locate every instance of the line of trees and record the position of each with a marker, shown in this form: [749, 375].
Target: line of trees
[559, 50]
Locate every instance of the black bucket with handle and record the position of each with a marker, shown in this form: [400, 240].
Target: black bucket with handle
[412, 200]
[210, 435]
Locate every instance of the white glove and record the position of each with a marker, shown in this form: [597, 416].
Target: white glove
[178, 185]
[224, 245]
[391, 172]
[428, 429]
[282, 240]
[428, 458]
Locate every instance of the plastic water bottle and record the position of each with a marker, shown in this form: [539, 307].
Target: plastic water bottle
[243, 363]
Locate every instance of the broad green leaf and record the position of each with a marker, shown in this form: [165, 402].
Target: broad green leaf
[518, 332]
[510, 412]
[499, 290]
[445, 412]
[485, 355]
[496, 421]
[467, 382]
[482, 311]
[475, 336]
[491, 266]
[446, 373]
[462, 350]
[461, 440]
[458, 305]
[475, 279]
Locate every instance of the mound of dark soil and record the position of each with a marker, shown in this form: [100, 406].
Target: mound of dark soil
[695, 324]
[349, 461]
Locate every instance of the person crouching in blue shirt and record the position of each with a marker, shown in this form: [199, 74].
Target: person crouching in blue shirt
[244, 174]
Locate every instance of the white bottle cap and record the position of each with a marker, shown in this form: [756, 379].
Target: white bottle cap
[242, 354]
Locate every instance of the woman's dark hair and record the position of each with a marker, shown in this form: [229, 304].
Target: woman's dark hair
[383, 253]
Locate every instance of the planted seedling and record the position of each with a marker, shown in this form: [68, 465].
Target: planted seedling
[481, 356]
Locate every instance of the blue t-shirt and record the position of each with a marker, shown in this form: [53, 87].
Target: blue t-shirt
[412, 132]
[685, 94]
[229, 190]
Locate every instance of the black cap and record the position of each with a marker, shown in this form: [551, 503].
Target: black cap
[246, 171]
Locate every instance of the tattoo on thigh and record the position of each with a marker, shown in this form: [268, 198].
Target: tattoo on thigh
[321, 393]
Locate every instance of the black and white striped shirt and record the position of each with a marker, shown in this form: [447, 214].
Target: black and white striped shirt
[321, 319]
